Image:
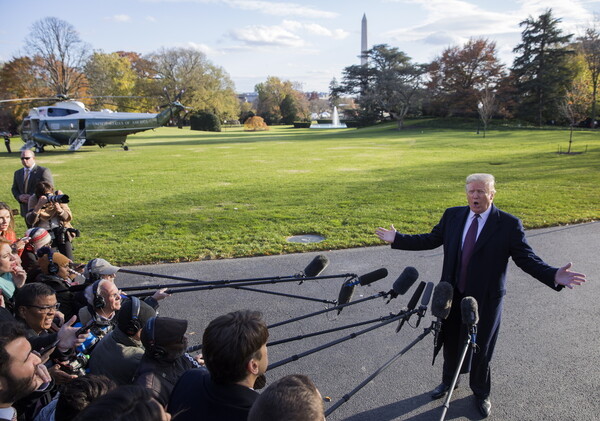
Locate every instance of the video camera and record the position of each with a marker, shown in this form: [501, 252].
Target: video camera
[57, 198]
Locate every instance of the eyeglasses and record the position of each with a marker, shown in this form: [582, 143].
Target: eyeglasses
[46, 309]
[25, 158]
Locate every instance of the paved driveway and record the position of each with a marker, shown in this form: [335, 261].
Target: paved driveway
[546, 365]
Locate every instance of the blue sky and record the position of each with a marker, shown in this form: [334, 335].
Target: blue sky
[304, 41]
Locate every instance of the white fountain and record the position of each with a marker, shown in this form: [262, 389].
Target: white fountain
[335, 122]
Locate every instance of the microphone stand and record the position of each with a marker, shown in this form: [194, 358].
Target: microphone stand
[324, 332]
[194, 348]
[338, 341]
[347, 396]
[316, 313]
[468, 342]
[242, 284]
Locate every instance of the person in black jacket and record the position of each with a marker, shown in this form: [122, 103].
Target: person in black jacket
[164, 359]
[478, 240]
[234, 348]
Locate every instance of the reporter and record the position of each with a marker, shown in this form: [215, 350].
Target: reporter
[53, 216]
[12, 275]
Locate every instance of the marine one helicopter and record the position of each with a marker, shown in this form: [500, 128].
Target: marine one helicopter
[69, 122]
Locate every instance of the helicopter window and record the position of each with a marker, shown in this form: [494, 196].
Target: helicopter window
[60, 112]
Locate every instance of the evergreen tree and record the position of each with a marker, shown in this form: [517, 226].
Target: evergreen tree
[541, 71]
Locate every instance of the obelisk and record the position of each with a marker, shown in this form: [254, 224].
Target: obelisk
[363, 41]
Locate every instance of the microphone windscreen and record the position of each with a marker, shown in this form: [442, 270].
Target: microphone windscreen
[369, 278]
[442, 300]
[427, 294]
[345, 294]
[416, 295]
[406, 279]
[468, 308]
[317, 266]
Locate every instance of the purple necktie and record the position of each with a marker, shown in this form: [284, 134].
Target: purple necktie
[467, 251]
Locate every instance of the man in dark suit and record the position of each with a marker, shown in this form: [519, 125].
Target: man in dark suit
[478, 240]
[234, 347]
[26, 179]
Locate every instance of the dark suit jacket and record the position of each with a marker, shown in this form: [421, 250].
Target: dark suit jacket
[37, 174]
[197, 397]
[501, 238]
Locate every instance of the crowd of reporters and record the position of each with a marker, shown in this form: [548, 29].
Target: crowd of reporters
[73, 346]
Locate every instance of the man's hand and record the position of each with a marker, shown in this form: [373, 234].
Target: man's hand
[67, 337]
[386, 235]
[24, 198]
[161, 294]
[567, 278]
[59, 376]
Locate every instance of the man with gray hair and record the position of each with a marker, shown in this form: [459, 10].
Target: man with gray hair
[478, 240]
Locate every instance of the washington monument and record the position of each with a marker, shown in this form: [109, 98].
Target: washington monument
[363, 41]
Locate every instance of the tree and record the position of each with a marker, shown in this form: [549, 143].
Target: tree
[207, 87]
[272, 103]
[589, 46]
[574, 106]
[388, 83]
[111, 75]
[460, 75]
[486, 107]
[62, 52]
[22, 77]
[541, 70]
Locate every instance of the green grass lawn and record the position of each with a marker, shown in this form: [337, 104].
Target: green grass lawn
[179, 195]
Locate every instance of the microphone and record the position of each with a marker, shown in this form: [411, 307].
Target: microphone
[345, 295]
[470, 316]
[441, 304]
[406, 279]
[369, 278]
[411, 304]
[347, 290]
[442, 300]
[424, 302]
[315, 267]
[468, 308]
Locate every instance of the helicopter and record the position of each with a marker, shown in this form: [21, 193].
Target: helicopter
[69, 122]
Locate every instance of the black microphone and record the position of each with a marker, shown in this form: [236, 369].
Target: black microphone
[317, 266]
[345, 295]
[406, 279]
[468, 308]
[411, 304]
[470, 316]
[441, 304]
[424, 302]
[369, 278]
[442, 300]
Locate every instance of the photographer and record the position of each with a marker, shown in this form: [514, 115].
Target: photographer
[48, 209]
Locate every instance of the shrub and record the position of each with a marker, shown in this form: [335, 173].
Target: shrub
[205, 121]
[255, 123]
[302, 124]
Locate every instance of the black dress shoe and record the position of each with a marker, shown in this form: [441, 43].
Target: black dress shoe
[485, 406]
[441, 390]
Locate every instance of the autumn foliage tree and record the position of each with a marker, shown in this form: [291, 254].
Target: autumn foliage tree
[62, 53]
[461, 74]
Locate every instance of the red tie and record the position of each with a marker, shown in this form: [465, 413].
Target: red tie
[467, 251]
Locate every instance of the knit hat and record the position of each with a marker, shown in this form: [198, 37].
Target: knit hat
[99, 267]
[125, 315]
[57, 258]
[167, 331]
[39, 237]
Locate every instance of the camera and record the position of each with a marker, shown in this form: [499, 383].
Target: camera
[57, 198]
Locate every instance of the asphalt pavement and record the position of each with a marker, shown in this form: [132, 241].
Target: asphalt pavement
[547, 360]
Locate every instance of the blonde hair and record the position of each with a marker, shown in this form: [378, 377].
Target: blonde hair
[487, 179]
